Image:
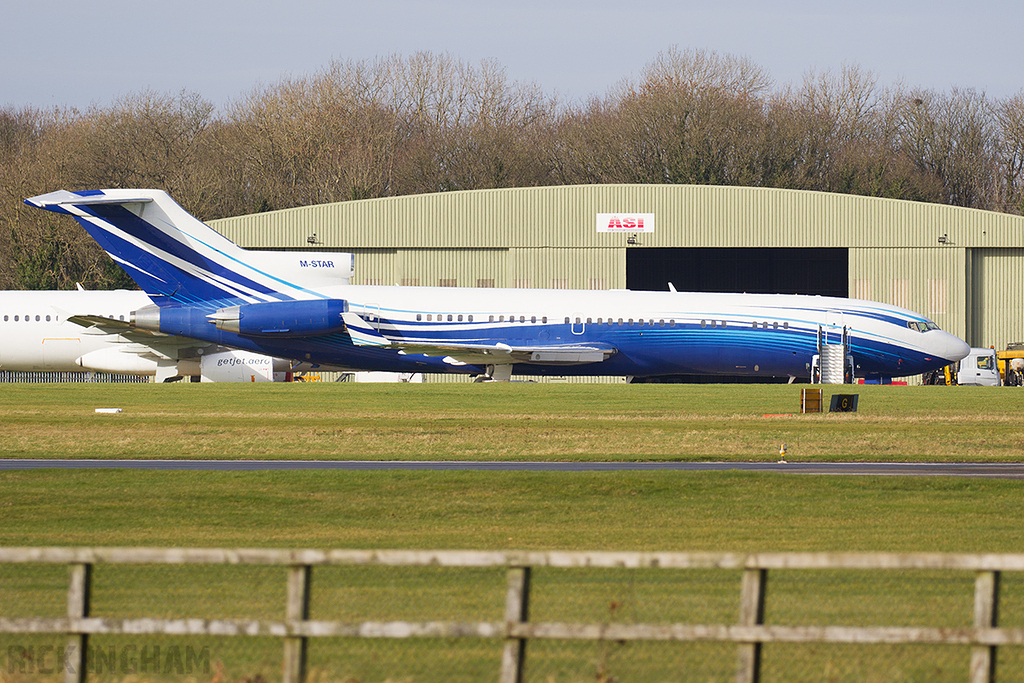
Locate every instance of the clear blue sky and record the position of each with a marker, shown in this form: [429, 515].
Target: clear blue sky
[58, 52]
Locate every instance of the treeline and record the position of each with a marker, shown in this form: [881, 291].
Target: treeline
[431, 123]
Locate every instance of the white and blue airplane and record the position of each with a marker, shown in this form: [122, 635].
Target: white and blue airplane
[204, 287]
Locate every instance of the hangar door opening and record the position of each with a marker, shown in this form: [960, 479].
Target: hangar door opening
[754, 270]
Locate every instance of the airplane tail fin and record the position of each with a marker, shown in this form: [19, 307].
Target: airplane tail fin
[170, 254]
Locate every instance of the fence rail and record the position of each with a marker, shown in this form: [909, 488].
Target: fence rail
[749, 633]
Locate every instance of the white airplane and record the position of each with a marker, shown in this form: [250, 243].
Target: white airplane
[76, 331]
[204, 287]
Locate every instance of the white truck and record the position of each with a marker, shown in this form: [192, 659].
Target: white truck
[979, 368]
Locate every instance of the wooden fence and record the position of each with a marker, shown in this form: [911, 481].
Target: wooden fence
[749, 633]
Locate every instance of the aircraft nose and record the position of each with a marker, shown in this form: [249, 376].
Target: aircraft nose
[951, 347]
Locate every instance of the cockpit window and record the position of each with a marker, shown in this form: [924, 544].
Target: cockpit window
[922, 326]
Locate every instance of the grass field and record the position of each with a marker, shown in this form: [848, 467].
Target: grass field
[505, 422]
[630, 511]
[718, 511]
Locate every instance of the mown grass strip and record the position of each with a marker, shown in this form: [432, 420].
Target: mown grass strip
[487, 510]
[505, 422]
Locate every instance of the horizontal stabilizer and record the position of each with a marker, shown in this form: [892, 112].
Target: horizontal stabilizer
[65, 198]
[361, 332]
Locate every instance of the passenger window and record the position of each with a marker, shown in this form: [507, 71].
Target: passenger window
[449, 317]
[470, 319]
[460, 318]
[985, 363]
[15, 318]
[703, 323]
[533, 318]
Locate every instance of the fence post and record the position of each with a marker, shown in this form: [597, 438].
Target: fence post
[517, 606]
[296, 610]
[752, 590]
[79, 586]
[986, 615]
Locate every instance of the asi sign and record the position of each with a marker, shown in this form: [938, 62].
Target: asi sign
[625, 222]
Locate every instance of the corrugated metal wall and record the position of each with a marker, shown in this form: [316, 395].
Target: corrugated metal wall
[962, 267]
[996, 310]
[541, 268]
[450, 267]
[686, 215]
[930, 281]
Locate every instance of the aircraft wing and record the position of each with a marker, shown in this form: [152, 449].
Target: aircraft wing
[101, 325]
[156, 345]
[501, 353]
[478, 352]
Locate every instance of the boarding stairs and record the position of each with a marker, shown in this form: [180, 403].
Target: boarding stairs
[833, 364]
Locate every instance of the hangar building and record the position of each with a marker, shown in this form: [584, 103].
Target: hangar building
[963, 268]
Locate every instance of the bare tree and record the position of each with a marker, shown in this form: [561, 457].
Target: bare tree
[1009, 114]
[431, 123]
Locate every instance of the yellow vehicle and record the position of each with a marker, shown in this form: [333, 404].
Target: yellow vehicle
[1011, 365]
